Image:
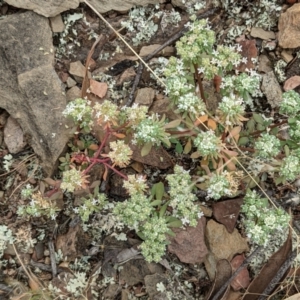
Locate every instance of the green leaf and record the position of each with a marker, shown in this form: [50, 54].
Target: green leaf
[260, 127]
[156, 203]
[171, 233]
[146, 149]
[141, 235]
[173, 124]
[188, 146]
[178, 148]
[286, 150]
[159, 190]
[163, 209]
[274, 131]
[258, 118]
[243, 141]
[176, 223]
[171, 219]
[251, 125]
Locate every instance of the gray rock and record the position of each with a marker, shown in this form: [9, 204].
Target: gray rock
[57, 23]
[271, 89]
[49, 8]
[103, 6]
[13, 136]
[30, 89]
[145, 96]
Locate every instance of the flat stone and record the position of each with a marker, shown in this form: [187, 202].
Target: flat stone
[13, 136]
[30, 90]
[264, 64]
[271, 89]
[73, 93]
[70, 82]
[287, 56]
[145, 96]
[224, 245]
[57, 24]
[103, 6]
[262, 34]
[77, 69]
[49, 8]
[288, 25]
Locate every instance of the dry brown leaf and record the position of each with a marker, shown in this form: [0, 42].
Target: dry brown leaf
[85, 82]
[98, 88]
[211, 124]
[227, 212]
[189, 244]
[269, 270]
[223, 273]
[242, 280]
[291, 83]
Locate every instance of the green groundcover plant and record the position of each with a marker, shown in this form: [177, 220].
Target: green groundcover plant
[217, 140]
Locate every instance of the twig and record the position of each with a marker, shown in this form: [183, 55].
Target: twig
[170, 41]
[218, 295]
[280, 273]
[52, 258]
[45, 267]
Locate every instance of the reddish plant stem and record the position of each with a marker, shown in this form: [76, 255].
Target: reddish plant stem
[116, 171]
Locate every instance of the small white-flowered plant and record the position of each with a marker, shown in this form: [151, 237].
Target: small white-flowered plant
[151, 130]
[120, 154]
[290, 104]
[290, 167]
[135, 184]
[27, 191]
[267, 146]
[261, 220]
[219, 186]
[208, 144]
[182, 197]
[134, 210]
[232, 110]
[38, 206]
[106, 113]
[80, 111]
[90, 206]
[6, 237]
[72, 180]
[154, 232]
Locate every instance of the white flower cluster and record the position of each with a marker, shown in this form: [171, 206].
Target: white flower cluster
[267, 146]
[192, 104]
[232, 109]
[219, 186]
[80, 111]
[151, 130]
[207, 143]
[290, 104]
[134, 211]
[72, 179]
[135, 184]
[6, 237]
[120, 154]
[182, 197]
[290, 167]
[91, 205]
[154, 232]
